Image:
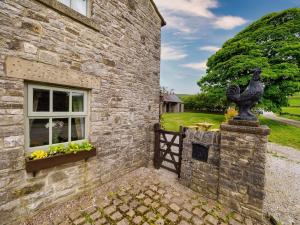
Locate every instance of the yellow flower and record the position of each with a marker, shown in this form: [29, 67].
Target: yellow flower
[230, 113]
[39, 154]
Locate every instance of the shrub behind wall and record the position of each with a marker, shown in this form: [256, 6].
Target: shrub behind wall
[204, 103]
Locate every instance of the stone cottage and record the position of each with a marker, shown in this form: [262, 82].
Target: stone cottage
[88, 67]
[171, 103]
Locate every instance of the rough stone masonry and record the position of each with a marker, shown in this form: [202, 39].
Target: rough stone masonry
[115, 55]
[242, 167]
[201, 176]
[234, 173]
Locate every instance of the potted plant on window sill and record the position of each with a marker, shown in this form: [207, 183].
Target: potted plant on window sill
[58, 155]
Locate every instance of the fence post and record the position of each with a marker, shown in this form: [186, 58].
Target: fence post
[156, 159]
[181, 136]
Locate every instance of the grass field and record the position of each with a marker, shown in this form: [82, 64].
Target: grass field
[294, 101]
[280, 133]
[172, 121]
[292, 112]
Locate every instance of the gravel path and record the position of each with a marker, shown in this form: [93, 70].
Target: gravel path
[272, 116]
[283, 184]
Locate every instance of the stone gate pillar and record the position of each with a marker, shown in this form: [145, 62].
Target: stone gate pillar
[242, 167]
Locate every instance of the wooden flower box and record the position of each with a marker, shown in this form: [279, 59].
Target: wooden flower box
[40, 164]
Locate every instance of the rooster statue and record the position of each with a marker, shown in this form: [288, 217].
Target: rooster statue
[249, 98]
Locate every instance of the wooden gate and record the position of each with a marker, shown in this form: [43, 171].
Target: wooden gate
[168, 149]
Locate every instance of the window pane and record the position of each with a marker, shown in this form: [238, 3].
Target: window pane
[77, 102]
[41, 99]
[60, 101]
[39, 132]
[66, 2]
[79, 6]
[60, 130]
[77, 129]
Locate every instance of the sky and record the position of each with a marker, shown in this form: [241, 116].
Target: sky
[196, 29]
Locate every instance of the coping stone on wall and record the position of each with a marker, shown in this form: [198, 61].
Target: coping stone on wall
[40, 72]
[261, 130]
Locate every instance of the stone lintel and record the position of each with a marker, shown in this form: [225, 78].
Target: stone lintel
[260, 130]
[40, 72]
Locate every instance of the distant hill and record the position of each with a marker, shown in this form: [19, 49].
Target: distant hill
[182, 95]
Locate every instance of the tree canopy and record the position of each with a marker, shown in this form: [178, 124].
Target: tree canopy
[272, 43]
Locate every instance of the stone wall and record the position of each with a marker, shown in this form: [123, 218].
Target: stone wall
[122, 56]
[242, 168]
[234, 173]
[200, 176]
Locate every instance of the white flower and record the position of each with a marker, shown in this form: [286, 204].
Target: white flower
[57, 124]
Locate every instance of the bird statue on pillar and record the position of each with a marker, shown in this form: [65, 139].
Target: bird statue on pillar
[249, 98]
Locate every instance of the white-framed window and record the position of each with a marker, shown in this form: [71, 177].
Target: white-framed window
[55, 115]
[80, 6]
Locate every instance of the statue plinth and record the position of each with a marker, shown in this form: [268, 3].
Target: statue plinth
[243, 166]
[248, 123]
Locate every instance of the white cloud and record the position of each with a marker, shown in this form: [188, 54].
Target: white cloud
[229, 22]
[188, 16]
[181, 76]
[178, 23]
[188, 7]
[196, 66]
[209, 48]
[169, 52]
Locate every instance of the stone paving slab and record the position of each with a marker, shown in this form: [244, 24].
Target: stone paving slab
[145, 196]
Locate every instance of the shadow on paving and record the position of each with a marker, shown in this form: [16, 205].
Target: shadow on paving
[144, 196]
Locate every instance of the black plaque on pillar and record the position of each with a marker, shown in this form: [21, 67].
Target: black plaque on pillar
[200, 152]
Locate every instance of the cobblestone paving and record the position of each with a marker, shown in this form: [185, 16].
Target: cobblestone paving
[144, 196]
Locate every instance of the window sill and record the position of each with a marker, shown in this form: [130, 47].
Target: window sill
[54, 4]
[33, 166]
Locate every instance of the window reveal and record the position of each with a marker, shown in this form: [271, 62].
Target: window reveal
[55, 115]
[80, 6]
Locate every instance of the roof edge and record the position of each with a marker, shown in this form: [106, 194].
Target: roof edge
[163, 22]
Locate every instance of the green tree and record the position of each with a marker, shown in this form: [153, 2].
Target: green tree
[205, 102]
[273, 44]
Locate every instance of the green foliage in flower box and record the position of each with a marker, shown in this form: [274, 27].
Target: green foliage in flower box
[61, 149]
